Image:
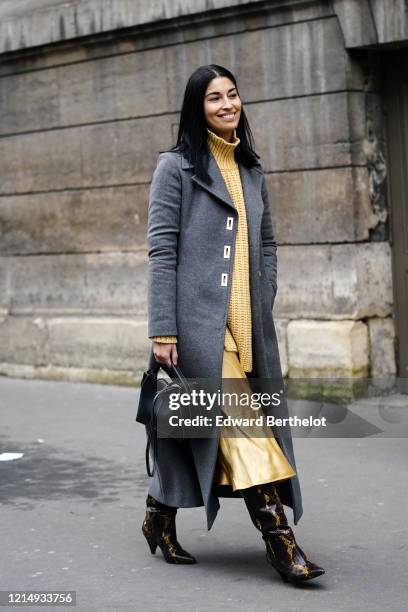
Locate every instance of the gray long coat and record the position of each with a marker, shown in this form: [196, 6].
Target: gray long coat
[188, 294]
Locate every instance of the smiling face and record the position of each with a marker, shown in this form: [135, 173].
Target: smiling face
[222, 107]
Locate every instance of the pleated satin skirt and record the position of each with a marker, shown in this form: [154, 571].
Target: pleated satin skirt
[247, 455]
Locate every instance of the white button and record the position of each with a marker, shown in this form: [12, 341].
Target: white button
[224, 279]
[230, 223]
[227, 250]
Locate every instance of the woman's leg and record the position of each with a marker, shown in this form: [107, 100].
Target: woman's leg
[251, 460]
[159, 529]
[285, 555]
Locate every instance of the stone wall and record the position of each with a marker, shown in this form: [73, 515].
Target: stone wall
[81, 124]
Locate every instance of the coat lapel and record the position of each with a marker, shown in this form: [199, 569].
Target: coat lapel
[218, 187]
[250, 179]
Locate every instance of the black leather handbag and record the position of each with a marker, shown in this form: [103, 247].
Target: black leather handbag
[154, 406]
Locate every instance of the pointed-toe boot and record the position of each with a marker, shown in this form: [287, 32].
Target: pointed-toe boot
[159, 529]
[282, 551]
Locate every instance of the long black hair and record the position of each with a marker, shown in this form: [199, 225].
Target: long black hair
[192, 139]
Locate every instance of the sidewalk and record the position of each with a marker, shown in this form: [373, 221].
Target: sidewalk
[72, 507]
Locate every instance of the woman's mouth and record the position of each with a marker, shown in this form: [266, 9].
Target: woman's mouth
[228, 116]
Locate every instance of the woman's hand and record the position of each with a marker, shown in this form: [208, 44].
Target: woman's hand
[165, 353]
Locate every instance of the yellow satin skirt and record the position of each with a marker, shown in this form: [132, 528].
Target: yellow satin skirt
[249, 455]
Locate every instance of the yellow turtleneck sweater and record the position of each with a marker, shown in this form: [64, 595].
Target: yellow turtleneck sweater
[238, 333]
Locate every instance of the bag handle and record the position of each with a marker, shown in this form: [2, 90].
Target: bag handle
[173, 371]
[151, 443]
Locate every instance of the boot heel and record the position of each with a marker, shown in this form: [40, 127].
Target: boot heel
[283, 576]
[159, 529]
[151, 540]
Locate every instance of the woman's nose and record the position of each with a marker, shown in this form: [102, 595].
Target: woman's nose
[227, 104]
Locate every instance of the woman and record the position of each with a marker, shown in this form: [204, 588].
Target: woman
[211, 288]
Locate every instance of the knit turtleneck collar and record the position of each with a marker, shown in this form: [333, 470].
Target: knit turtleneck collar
[223, 150]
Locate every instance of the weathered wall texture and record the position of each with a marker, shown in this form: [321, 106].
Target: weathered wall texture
[81, 125]
[372, 22]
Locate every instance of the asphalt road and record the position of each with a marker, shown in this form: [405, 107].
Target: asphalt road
[71, 511]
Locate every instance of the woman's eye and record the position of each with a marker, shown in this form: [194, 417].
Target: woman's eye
[234, 95]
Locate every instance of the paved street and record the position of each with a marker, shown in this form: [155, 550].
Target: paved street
[72, 506]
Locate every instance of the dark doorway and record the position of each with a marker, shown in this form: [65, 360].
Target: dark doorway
[396, 105]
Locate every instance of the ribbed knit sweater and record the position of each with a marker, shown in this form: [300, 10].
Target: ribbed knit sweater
[238, 333]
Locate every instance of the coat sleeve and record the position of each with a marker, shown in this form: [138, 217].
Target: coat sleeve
[268, 240]
[162, 239]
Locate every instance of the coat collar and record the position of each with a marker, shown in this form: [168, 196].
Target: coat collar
[250, 178]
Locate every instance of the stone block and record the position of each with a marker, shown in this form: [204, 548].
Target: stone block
[391, 20]
[281, 332]
[356, 20]
[334, 281]
[382, 347]
[328, 349]
[102, 343]
[107, 350]
[77, 284]
[372, 22]
[102, 155]
[107, 219]
[309, 132]
[330, 205]
[23, 340]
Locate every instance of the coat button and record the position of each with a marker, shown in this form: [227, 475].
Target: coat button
[227, 250]
[230, 223]
[224, 279]
[259, 273]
